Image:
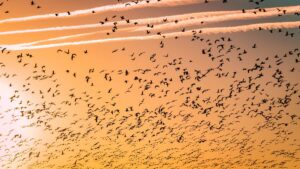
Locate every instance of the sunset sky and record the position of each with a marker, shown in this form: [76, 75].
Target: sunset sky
[156, 84]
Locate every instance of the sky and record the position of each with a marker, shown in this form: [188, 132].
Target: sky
[175, 84]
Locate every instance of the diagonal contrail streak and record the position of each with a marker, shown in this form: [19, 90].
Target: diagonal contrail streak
[106, 8]
[204, 31]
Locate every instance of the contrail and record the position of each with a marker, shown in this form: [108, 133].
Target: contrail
[251, 27]
[204, 31]
[121, 23]
[106, 8]
[64, 37]
[50, 29]
[227, 17]
[183, 20]
[60, 38]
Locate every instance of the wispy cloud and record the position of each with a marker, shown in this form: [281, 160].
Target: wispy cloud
[60, 38]
[143, 21]
[190, 19]
[106, 8]
[204, 31]
[238, 15]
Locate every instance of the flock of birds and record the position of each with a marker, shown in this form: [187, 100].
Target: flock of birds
[228, 106]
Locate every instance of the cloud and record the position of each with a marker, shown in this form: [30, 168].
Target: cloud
[60, 38]
[190, 19]
[238, 15]
[106, 8]
[204, 31]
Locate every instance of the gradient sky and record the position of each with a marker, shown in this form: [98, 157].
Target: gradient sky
[154, 112]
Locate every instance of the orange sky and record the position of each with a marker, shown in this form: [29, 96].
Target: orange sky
[227, 99]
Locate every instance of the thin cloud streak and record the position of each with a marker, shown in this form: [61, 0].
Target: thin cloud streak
[228, 17]
[190, 19]
[60, 38]
[121, 23]
[204, 31]
[106, 8]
